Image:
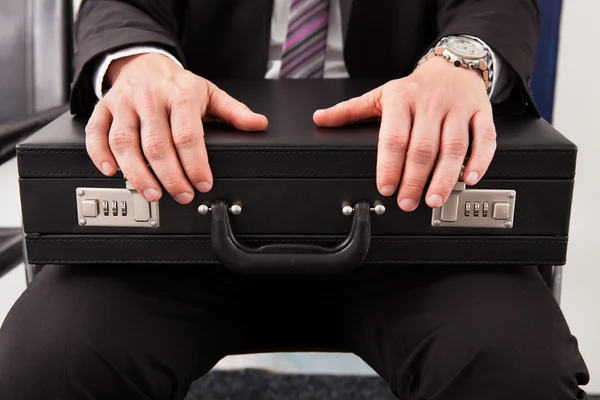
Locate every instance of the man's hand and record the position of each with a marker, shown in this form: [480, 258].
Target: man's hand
[155, 109]
[425, 121]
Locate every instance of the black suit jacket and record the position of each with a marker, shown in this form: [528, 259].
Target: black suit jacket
[230, 38]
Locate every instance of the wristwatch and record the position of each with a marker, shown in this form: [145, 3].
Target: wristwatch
[466, 52]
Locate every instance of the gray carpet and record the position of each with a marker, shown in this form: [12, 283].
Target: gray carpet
[254, 384]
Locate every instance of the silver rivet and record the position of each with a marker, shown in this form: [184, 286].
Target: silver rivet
[82, 222]
[347, 209]
[80, 192]
[511, 195]
[508, 224]
[203, 209]
[379, 208]
[236, 208]
[153, 224]
[437, 222]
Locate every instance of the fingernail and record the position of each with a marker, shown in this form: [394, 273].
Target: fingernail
[150, 194]
[106, 167]
[184, 198]
[435, 200]
[203, 186]
[408, 205]
[387, 190]
[472, 177]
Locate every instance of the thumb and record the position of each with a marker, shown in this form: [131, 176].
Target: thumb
[226, 108]
[350, 111]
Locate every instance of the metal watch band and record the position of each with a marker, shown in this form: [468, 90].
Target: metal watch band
[486, 67]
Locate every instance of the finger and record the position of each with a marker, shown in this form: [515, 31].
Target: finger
[157, 144]
[350, 111]
[422, 152]
[188, 137]
[453, 149]
[96, 140]
[393, 142]
[232, 111]
[483, 146]
[124, 141]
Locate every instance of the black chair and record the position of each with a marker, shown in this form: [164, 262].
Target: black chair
[35, 54]
[11, 133]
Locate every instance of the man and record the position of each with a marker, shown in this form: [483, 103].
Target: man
[143, 71]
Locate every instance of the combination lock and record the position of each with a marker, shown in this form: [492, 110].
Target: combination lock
[112, 207]
[476, 208]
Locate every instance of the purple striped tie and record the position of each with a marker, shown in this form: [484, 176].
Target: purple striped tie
[304, 49]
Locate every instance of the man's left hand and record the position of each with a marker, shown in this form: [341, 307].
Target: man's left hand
[425, 122]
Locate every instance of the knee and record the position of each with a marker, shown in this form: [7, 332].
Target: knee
[31, 358]
[510, 363]
[549, 367]
[51, 362]
[47, 340]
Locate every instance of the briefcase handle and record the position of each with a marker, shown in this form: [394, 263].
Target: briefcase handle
[291, 258]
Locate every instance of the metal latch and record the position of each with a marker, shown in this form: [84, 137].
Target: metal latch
[476, 208]
[113, 207]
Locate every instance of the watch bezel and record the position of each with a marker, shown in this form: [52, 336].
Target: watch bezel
[450, 45]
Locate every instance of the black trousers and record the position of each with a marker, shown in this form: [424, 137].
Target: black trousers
[439, 333]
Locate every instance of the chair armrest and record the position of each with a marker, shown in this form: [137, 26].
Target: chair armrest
[13, 132]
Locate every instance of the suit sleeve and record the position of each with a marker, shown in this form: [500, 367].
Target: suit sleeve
[510, 27]
[105, 26]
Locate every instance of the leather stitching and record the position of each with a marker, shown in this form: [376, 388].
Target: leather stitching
[175, 261]
[374, 240]
[334, 152]
[55, 151]
[241, 174]
[60, 173]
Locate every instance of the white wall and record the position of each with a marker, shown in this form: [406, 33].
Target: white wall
[12, 284]
[577, 116]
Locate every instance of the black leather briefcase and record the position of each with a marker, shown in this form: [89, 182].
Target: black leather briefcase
[297, 198]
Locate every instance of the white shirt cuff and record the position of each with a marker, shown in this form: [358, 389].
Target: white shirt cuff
[131, 51]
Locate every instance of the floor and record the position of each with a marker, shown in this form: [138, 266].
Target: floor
[264, 385]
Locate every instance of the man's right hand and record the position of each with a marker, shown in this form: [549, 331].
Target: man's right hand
[153, 114]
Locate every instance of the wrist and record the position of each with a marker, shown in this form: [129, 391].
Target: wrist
[124, 64]
[101, 80]
[115, 68]
[442, 64]
[442, 71]
[465, 52]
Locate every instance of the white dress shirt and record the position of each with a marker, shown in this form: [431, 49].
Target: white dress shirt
[335, 66]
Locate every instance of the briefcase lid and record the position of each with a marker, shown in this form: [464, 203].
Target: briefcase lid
[293, 146]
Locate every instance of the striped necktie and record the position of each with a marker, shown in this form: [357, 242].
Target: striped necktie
[303, 53]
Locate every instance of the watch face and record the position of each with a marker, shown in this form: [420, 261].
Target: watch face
[466, 47]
